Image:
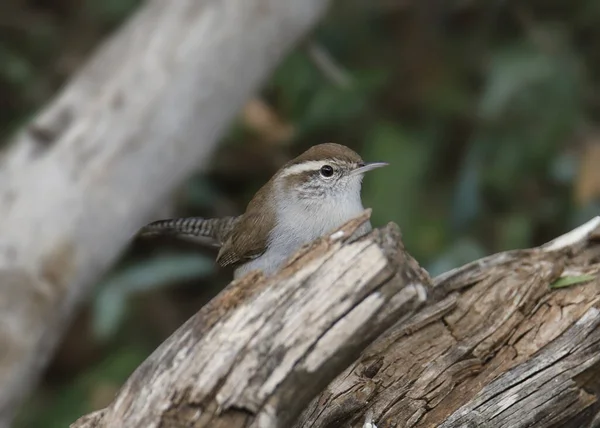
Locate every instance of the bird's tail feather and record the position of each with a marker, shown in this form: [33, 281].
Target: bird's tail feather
[215, 229]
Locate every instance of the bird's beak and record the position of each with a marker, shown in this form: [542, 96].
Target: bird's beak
[368, 167]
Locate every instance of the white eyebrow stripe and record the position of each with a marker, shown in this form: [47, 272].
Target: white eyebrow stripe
[304, 167]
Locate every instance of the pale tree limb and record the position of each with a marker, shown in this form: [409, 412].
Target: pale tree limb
[257, 354]
[140, 116]
[503, 349]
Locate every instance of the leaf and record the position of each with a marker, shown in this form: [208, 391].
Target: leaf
[567, 281]
[110, 303]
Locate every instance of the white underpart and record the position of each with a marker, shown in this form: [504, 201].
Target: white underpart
[301, 221]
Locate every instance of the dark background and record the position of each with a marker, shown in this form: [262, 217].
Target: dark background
[487, 112]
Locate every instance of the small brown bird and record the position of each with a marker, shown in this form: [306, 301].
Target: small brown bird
[311, 195]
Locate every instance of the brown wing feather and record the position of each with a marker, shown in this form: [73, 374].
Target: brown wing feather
[248, 238]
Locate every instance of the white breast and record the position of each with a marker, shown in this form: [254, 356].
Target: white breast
[301, 222]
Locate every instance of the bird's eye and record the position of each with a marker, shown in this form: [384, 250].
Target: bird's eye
[327, 171]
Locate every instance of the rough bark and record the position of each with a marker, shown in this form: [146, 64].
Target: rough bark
[78, 180]
[259, 352]
[503, 349]
[488, 345]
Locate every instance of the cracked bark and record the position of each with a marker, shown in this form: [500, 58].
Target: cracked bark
[90, 169]
[501, 349]
[258, 353]
[487, 345]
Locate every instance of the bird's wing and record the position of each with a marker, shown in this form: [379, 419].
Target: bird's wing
[246, 241]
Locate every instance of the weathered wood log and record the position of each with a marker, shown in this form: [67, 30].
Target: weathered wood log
[258, 353]
[92, 167]
[503, 349]
[486, 345]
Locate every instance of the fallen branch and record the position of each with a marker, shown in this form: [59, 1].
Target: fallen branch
[502, 349]
[490, 344]
[92, 167]
[259, 352]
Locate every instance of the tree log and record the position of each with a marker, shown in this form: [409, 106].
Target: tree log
[488, 345]
[495, 343]
[90, 169]
[258, 353]
[503, 349]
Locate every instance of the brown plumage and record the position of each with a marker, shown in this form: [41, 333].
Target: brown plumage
[326, 151]
[248, 237]
[245, 237]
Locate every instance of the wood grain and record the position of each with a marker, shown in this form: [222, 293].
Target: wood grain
[261, 350]
[500, 349]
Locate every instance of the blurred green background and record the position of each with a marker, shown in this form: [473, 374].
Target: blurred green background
[487, 112]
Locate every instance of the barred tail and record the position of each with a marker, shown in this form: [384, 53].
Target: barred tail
[214, 228]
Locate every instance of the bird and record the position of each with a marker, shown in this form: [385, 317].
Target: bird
[308, 197]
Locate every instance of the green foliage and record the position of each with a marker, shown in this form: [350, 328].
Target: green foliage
[17, 70]
[408, 154]
[314, 103]
[515, 231]
[59, 406]
[110, 12]
[467, 195]
[567, 281]
[200, 193]
[530, 105]
[459, 253]
[110, 304]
